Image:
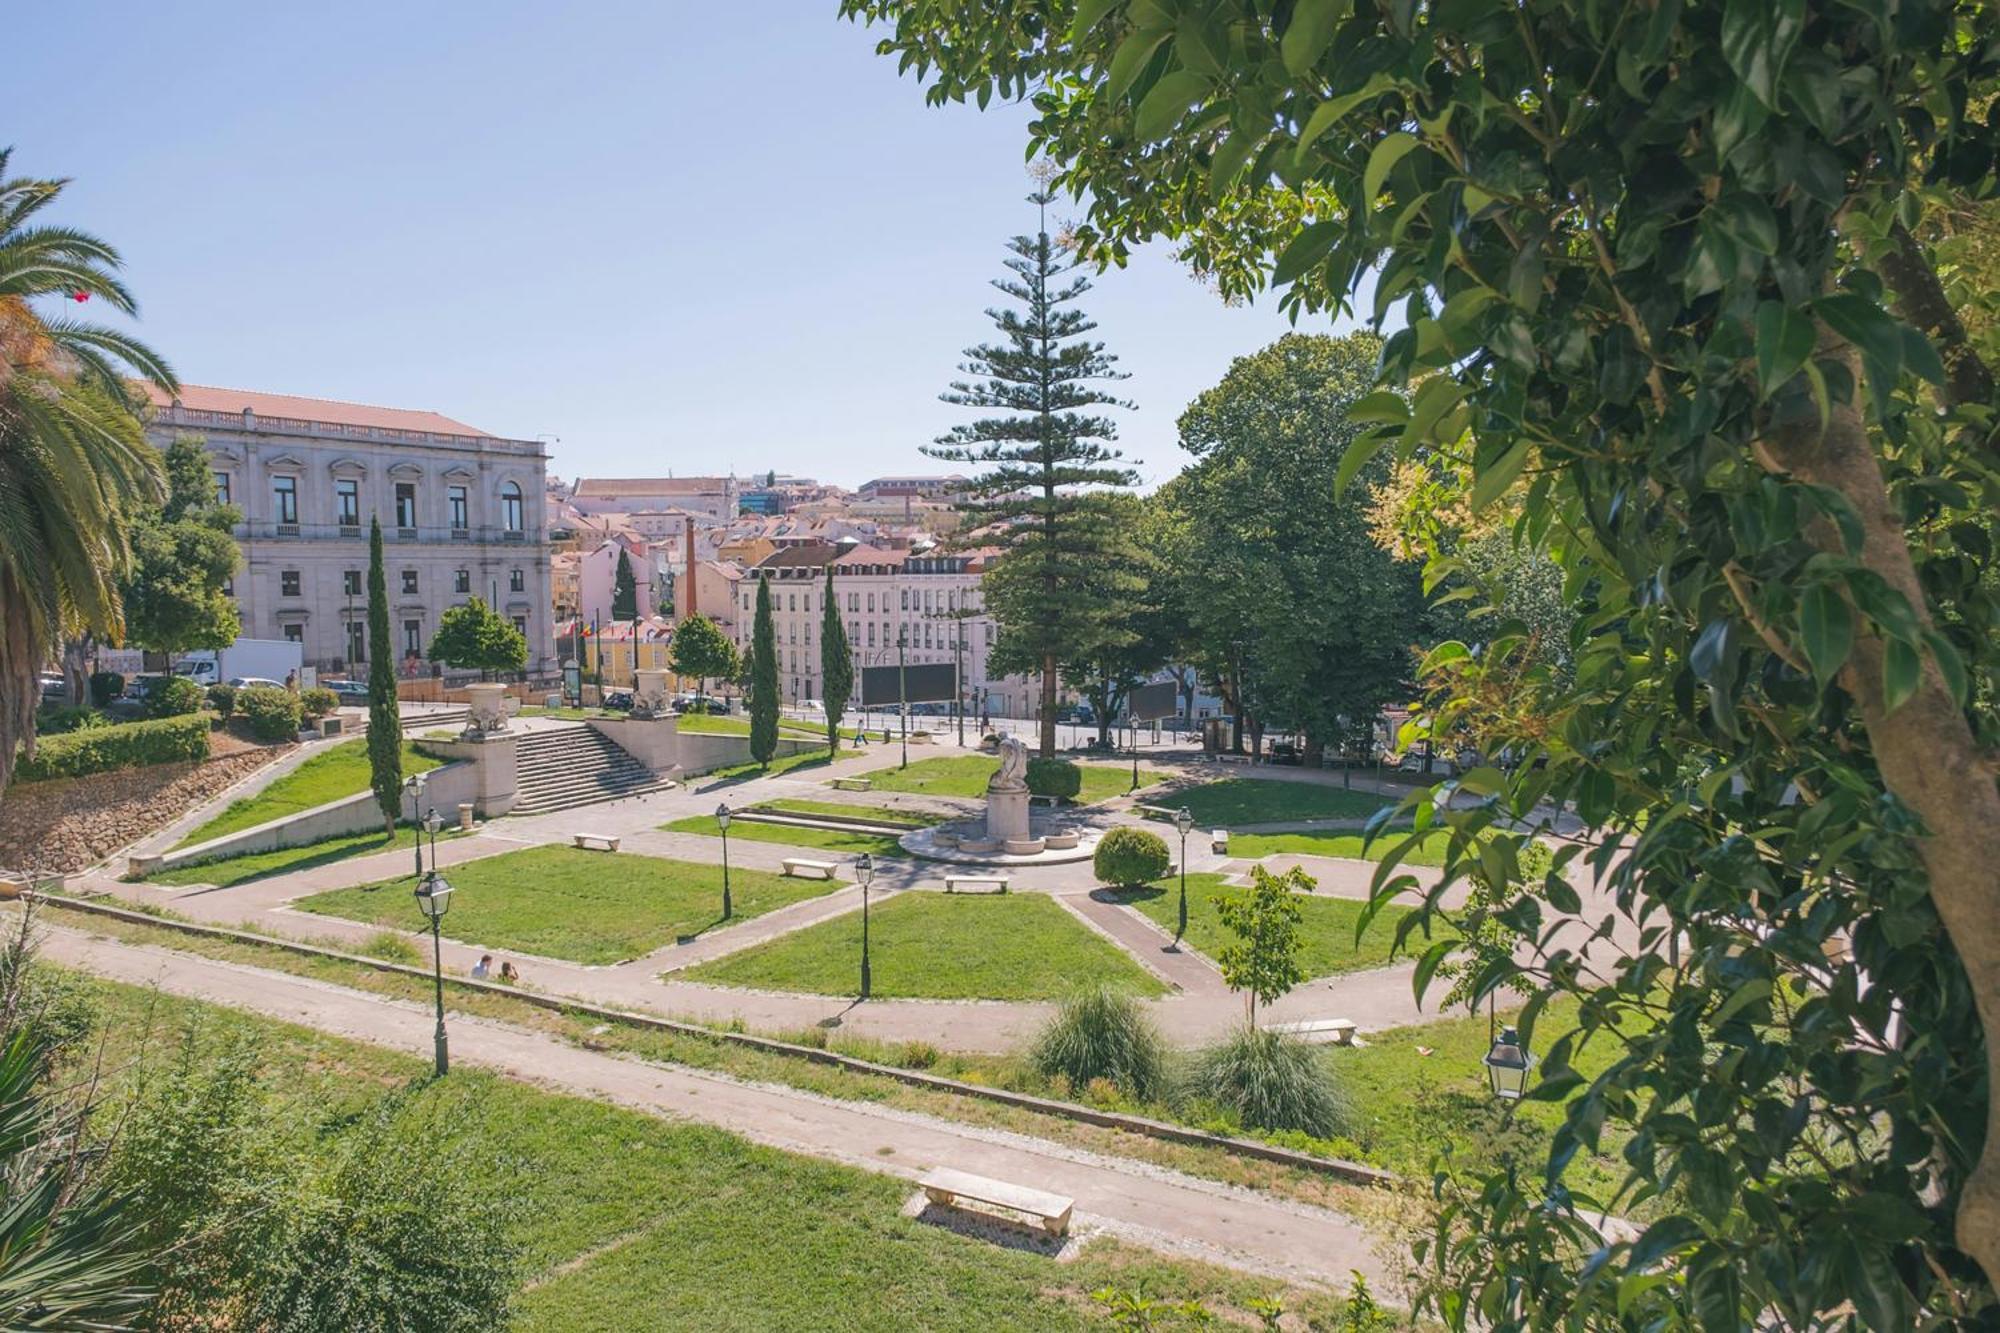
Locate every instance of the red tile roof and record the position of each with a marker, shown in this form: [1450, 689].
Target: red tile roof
[207, 398]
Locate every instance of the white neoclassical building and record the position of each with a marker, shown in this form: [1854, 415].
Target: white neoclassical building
[461, 511]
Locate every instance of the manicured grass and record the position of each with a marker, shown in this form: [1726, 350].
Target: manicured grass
[1327, 925]
[723, 725]
[341, 771]
[850, 810]
[938, 946]
[1228, 802]
[967, 775]
[625, 1219]
[831, 840]
[781, 764]
[588, 907]
[257, 865]
[1429, 852]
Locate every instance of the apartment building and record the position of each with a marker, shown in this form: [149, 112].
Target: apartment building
[711, 497]
[462, 514]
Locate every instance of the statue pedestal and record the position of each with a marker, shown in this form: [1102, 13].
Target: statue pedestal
[1007, 815]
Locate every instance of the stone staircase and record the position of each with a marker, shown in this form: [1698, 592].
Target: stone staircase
[562, 767]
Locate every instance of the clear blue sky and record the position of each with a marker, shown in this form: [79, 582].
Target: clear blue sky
[677, 236]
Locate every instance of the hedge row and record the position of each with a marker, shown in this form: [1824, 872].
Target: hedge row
[102, 749]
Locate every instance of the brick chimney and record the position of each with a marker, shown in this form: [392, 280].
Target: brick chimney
[687, 530]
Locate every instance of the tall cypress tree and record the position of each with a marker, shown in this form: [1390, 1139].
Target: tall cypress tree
[1047, 462]
[624, 591]
[385, 721]
[836, 664]
[763, 679]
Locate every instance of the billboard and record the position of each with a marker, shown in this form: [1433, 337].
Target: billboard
[1149, 703]
[924, 682]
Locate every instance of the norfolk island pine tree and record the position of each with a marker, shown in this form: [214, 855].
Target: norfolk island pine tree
[836, 665]
[763, 679]
[385, 722]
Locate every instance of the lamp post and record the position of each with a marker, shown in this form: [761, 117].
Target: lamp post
[864, 870]
[413, 787]
[722, 822]
[1183, 821]
[434, 898]
[1507, 1066]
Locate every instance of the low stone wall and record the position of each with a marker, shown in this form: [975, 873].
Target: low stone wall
[483, 770]
[661, 745]
[69, 823]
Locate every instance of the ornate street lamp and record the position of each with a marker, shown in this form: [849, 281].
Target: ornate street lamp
[1183, 821]
[434, 898]
[413, 787]
[722, 822]
[1507, 1066]
[864, 871]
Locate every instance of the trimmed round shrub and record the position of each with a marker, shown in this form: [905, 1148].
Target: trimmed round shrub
[1054, 777]
[222, 698]
[1128, 857]
[106, 686]
[1101, 1033]
[273, 713]
[175, 696]
[318, 701]
[1270, 1081]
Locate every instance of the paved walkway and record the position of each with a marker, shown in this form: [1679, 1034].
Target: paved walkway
[1145, 1203]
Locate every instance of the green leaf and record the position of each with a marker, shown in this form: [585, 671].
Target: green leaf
[1661, 1239]
[1380, 406]
[1784, 341]
[1757, 39]
[1311, 30]
[1307, 249]
[1921, 356]
[1750, 992]
[1826, 624]
[1358, 453]
[1866, 325]
[1382, 160]
[1435, 397]
[1950, 665]
[1230, 159]
[1133, 53]
[1329, 112]
[1494, 479]
[1088, 12]
[1168, 101]
[1902, 672]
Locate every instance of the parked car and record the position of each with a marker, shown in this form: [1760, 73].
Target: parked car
[54, 687]
[351, 693]
[1284, 752]
[618, 699]
[245, 682]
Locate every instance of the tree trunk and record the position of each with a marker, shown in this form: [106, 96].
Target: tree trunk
[1048, 706]
[1927, 755]
[1314, 753]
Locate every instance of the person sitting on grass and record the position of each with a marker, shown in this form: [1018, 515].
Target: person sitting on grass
[508, 976]
[483, 968]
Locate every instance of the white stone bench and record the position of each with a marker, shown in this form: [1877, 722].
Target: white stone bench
[596, 842]
[853, 784]
[1318, 1031]
[950, 1188]
[800, 867]
[1219, 841]
[998, 882]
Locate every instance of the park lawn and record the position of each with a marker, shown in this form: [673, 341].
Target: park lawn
[1251, 846]
[1227, 802]
[586, 907]
[830, 840]
[780, 764]
[341, 771]
[624, 1219]
[940, 947]
[851, 810]
[966, 776]
[716, 724]
[257, 865]
[1327, 925]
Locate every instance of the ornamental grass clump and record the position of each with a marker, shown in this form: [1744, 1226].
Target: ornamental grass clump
[1100, 1033]
[1270, 1082]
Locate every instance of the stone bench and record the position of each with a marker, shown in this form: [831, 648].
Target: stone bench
[853, 784]
[998, 882]
[1318, 1031]
[949, 1188]
[802, 868]
[596, 842]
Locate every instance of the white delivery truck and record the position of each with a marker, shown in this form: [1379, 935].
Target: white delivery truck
[245, 659]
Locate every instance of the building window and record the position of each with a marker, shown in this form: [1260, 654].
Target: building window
[413, 638]
[793, 600]
[288, 583]
[406, 504]
[347, 501]
[510, 507]
[222, 488]
[521, 624]
[409, 581]
[350, 582]
[455, 495]
[517, 581]
[295, 633]
[904, 597]
[461, 582]
[355, 649]
[285, 493]
[871, 602]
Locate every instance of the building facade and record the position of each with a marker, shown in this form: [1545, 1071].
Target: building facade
[710, 497]
[462, 514]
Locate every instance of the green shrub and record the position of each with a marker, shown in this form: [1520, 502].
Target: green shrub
[1054, 777]
[131, 745]
[106, 686]
[273, 713]
[318, 701]
[1101, 1033]
[222, 698]
[390, 947]
[1270, 1081]
[56, 721]
[1128, 857]
[176, 696]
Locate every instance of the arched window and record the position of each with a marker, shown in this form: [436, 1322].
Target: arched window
[510, 507]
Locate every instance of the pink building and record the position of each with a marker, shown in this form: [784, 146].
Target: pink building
[598, 571]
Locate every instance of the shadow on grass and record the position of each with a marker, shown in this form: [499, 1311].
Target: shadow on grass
[729, 777]
[1128, 897]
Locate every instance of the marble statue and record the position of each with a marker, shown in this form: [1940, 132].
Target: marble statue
[1013, 772]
